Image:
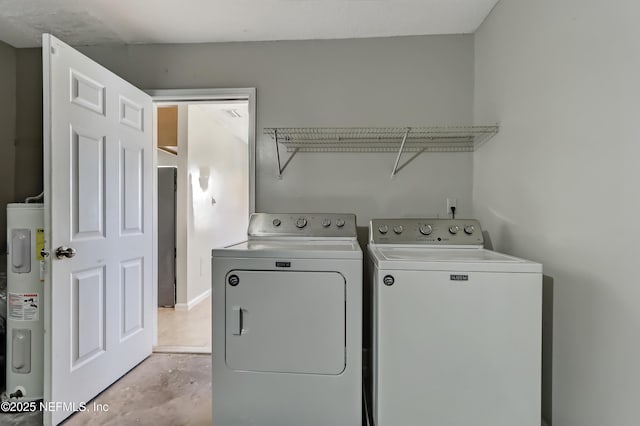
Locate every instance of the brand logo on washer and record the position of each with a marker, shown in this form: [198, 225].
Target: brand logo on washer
[388, 280]
[233, 280]
[459, 277]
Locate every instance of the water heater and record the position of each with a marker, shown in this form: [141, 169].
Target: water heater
[25, 297]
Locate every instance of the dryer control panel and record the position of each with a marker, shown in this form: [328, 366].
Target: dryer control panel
[439, 232]
[309, 225]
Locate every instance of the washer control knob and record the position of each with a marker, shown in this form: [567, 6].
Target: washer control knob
[276, 222]
[398, 229]
[383, 229]
[453, 229]
[301, 222]
[326, 222]
[426, 229]
[469, 229]
[339, 222]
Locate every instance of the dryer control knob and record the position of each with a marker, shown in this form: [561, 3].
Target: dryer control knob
[339, 222]
[469, 229]
[276, 222]
[301, 222]
[326, 222]
[383, 229]
[426, 229]
[398, 229]
[454, 229]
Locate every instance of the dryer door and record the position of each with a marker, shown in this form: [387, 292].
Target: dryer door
[285, 321]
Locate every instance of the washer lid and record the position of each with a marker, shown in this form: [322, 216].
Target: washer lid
[448, 259]
[293, 249]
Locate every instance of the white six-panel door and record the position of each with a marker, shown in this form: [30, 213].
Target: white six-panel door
[98, 199]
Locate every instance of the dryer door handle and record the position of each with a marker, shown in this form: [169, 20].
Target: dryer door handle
[236, 320]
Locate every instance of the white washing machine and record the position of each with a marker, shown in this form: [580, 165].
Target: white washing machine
[456, 328]
[287, 323]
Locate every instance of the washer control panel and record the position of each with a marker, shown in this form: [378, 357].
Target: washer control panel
[455, 232]
[323, 225]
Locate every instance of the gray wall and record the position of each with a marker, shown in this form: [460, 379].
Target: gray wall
[7, 139]
[20, 130]
[558, 184]
[28, 153]
[370, 82]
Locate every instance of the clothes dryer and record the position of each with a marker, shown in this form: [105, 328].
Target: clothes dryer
[287, 323]
[456, 328]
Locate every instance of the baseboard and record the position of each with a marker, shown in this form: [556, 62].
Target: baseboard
[182, 349]
[193, 302]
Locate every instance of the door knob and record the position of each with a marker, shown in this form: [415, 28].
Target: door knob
[62, 252]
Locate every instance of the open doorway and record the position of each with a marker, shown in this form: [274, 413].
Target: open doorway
[205, 196]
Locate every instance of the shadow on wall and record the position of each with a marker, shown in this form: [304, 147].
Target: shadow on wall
[547, 347]
[205, 174]
[488, 244]
[547, 339]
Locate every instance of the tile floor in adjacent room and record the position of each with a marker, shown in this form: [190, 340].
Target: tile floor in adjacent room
[185, 331]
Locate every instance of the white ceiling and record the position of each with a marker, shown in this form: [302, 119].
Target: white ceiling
[90, 22]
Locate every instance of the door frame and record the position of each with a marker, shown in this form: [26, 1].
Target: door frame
[160, 96]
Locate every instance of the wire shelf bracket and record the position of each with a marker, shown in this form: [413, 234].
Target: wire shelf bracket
[293, 153]
[404, 140]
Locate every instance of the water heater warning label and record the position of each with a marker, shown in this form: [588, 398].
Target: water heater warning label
[23, 306]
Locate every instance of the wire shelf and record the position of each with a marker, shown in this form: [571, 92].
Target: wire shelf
[379, 139]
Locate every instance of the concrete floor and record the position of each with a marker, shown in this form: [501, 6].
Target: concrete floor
[27, 419]
[163, 390]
